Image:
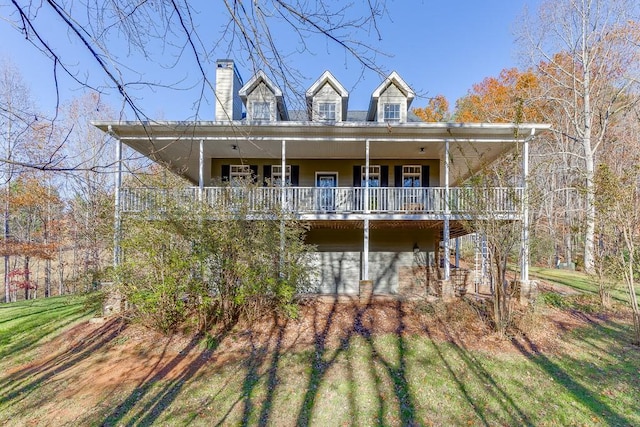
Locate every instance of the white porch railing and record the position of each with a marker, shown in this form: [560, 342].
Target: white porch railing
[340, 200]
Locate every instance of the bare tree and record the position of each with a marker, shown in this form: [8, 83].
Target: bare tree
[186, 38]
[502, 235]
[619, 195]
[90, 191]
[587, 50]
[17, 119]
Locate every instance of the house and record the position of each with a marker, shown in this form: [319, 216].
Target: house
[380, 189]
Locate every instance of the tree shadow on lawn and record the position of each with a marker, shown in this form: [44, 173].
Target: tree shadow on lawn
[579, 392]
[259, 351]
[156, 404]
[15, 339]
[484, 377]
[322, 360]
[327, 324]
[397, 374]
[20, 384]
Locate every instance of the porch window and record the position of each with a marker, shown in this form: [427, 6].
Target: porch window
[261, 110]
[411, 175]
[374, 176]
[327, 111]
[240, 174]
[276, 175]
[391, 112]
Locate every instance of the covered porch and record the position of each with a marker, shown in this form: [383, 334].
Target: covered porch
[460, 150]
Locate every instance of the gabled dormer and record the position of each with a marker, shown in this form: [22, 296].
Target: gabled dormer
[263, 99]
[391, 100]
[327, 100]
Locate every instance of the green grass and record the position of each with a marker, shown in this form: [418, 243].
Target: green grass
[24, 324]
[579, 281]
[387, 379]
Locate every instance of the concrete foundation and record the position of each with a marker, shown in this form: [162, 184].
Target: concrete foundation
[113, 303]
[366, 291]
[448, 290]
[528, 291]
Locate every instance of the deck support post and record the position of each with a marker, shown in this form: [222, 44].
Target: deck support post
[283, 202]
[446, 285]
[117, 221]
[365, 198]
[447, 214]
[524, 247]
[527, 288]
[201, 171]
[366, 285]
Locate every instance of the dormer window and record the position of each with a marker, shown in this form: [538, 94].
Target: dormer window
[261, 110]
[327, 111]
[391, 112]
[390, 101]
[327, 100]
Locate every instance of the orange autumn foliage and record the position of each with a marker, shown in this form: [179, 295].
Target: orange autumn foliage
[437, 110]
[508, 98]
[28, 202]
[33, 250]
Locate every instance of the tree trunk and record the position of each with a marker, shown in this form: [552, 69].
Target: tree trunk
[27, 278]
[590, 209]
[47, 262]
[632, 295]
[7, 290]
[60, 271]
[590, 220]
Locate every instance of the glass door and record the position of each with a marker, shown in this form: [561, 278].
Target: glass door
[327, 182]
[411, 183]
[374, 184]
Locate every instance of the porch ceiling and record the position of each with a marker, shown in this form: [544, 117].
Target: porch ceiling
[456, 227]
[176, 144]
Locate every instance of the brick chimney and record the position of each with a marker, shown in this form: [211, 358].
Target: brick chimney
[228, 83]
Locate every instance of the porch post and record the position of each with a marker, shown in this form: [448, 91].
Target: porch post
[524, 248]
[117, 220]
[201, 171]
[445, 230]
[365, 255]
[283, 201]
[366, 285]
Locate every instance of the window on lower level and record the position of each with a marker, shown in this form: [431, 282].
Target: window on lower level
[391, 112]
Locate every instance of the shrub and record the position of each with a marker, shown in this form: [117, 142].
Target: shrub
[204, 264]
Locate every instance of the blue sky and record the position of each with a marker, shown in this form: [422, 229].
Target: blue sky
[438, 47]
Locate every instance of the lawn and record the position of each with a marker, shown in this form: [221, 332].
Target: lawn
[26, 323]
[580, 281]
[339, 364]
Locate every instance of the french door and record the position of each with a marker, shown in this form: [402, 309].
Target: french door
[327, 182]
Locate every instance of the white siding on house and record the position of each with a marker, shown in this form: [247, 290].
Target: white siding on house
[228, 83]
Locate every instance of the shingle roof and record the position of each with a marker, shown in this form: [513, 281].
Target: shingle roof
[352, 116]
